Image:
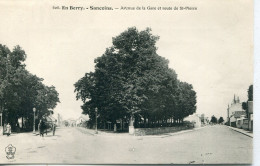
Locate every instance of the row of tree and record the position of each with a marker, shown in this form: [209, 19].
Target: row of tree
[214, 120]
[131, 81]
[21, 91]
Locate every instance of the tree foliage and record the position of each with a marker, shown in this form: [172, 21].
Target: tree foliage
[250, 93]
[220, 120]
[250, 98]
[131, 79]
[21, 91]
[214, 120]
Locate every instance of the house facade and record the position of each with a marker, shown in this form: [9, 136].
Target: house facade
[82, 121]
[235, 111]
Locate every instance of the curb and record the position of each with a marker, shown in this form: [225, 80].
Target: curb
[146, 136]
[240, 132]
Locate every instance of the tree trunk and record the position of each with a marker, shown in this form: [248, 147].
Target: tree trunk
[121, 123]
[131, 121]
[131, 125]
[22, 122]
[144, 122]
[115, 129]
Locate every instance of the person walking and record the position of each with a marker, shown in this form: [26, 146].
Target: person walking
[41, 127]
[8, 129]
[54, 127]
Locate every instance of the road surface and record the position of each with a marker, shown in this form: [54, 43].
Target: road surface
[211, 144]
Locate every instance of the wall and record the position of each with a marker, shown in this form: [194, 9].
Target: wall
[160, 130]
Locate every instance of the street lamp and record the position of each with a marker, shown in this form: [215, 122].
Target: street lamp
[34, 110]
[96, 120]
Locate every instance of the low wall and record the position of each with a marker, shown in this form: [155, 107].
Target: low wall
[160, 130]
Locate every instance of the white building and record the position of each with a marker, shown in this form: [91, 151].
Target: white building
[82, 120]
[195, 119]
[235, 111]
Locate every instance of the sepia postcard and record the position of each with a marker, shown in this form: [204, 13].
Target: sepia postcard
[127, 82]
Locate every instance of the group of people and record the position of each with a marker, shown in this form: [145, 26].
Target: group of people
[42, 127]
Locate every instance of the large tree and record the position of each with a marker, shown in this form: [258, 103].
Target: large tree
[214, 120]
[220, 120]
[250, 93]
[132, 80]
[20, 90]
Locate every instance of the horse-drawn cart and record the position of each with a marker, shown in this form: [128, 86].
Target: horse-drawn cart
[47, 124]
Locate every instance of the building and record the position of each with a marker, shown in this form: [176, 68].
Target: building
[241, 122]
[59, 118]
[235, 111]
[195, 119]
[82, 121]
[204, 120]
[70, 123]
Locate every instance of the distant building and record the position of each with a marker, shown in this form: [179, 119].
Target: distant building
[71, 122]
[82, 121]
[251, 113]
[204, 120]
[59, 123]
[235, 111]
[195, 119]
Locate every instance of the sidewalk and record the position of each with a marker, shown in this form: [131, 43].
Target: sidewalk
[242, 131]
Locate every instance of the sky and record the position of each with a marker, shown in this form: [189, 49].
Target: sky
[211, 48]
